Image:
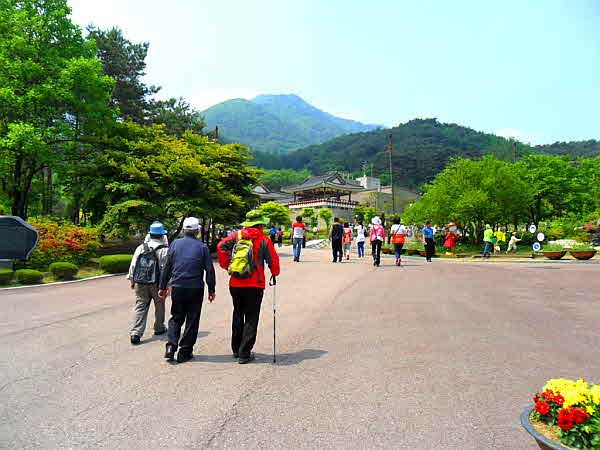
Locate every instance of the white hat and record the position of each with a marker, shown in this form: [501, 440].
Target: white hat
[191, 224]
[376, 220]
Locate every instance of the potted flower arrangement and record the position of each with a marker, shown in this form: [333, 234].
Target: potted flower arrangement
[554, 251]
[565, 415]
[583, 251]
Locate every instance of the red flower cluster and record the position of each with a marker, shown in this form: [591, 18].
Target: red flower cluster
[569, 416]
[544, 401]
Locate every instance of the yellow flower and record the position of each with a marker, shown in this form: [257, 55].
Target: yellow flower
[595, 394]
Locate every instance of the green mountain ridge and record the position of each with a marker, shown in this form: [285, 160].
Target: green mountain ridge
[276, 123]
[421, 149]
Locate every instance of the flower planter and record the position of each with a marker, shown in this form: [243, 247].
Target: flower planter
[412, 251]
[387, 251]
[554, 255]
[543, 442]
[422, 253]
[583, 254]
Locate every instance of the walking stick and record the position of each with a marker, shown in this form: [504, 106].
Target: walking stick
[273, 282]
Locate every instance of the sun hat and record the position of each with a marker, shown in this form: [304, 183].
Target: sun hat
[376, 220]
[255, 217]
[191, 224]
[157, 228]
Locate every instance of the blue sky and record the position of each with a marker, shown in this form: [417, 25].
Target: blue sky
[528, 69]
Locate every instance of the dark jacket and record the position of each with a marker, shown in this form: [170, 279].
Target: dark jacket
[264, 252]
[337, 232]
[187, 261]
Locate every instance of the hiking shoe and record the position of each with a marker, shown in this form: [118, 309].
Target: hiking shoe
[246, 360]
[170, 354]
[236, 355]
[158, 333]
[135, 340]
[184, 356]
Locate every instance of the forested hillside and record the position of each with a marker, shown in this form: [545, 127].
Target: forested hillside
[276, 123]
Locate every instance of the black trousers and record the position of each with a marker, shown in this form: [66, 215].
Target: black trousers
[336, 246]
[186, 305]
[376, 251]
[246, 312]
[429, 248]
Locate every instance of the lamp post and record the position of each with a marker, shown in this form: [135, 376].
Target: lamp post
[389, 150]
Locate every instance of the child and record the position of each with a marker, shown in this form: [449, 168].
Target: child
[347, 240]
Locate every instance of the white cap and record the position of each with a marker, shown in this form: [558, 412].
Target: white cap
[376, 220]
[191, 223]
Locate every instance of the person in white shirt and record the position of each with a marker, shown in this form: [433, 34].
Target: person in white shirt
[397, 237]
[360, 239]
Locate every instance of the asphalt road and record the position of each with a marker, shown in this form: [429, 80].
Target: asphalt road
[442, 355]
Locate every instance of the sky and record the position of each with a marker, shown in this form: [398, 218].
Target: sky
[524, 69]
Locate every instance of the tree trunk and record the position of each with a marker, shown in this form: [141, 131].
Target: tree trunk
[178, 230]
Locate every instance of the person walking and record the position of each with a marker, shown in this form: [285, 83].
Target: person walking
[398, 236]
[279, 237]
[298, 232]
[512, 243]
[146, 265]
[243, 255]
[188, 264]
[336, 236]
[347, 240]
[428, 236]
[273, 233]
[360, 239]
[377, 237]
[488, 236]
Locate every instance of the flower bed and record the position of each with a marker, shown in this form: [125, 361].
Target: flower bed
[568, 412]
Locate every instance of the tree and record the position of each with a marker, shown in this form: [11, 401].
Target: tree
[177, 116]
[310, 217]
[276, 179]
[276, 212]
[125, 62]
[54, 96]
[326, 214]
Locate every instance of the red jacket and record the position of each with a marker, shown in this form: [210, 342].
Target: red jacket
[264, 252]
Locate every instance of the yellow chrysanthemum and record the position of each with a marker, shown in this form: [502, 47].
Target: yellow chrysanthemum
[574, 392]
[595, 394]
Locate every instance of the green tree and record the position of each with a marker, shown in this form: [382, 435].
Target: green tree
[177, 116]
[53, 96]
[276, 212]
[326, 214]
[276, 179]
[310, 217]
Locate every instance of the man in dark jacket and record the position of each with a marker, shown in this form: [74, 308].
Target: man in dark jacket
[336, 235]
[247, 293]
[188, 260]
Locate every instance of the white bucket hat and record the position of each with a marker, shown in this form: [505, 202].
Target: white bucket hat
[191, 224]
[376, 220]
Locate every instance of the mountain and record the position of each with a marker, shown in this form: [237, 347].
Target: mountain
[277, 123]
[421, 149]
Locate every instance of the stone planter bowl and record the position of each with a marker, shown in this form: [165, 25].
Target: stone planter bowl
[554, 255]
[387, 251]
[412, 251]
[543, 442]
[422, 253]
[583, 254]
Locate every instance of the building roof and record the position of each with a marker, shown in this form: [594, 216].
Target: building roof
[333, 180]
[267, 194]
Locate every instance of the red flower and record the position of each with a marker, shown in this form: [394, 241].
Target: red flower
[548, 395]
[579, 415]
[565, 419]
[542, 407]
[559, 399]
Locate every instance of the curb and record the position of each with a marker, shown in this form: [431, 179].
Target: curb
[56, 283]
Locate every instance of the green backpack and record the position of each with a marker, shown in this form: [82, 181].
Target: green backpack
[242, 258]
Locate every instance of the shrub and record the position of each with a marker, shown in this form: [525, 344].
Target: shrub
[61, 242]
[115, 263]
[582, 247]
[29, 276]
[6, 276]
[553, 248]
[63, 270]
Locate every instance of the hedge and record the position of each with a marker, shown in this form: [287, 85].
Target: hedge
[115, 263]
[63, 270]
[29, 276]
[6, 276]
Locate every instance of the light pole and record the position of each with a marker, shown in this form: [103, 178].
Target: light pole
[389, 150]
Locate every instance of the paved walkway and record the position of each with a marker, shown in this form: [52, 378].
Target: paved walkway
[439, 355]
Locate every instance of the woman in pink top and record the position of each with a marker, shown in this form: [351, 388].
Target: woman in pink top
[377, 238]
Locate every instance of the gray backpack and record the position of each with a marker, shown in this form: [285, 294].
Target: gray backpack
[147, 270]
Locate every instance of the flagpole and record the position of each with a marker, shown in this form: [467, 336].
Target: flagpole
[389, 149]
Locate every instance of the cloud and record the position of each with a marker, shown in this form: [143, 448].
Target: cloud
[519, 135]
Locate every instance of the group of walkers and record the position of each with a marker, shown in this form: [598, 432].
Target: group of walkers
[185, 268]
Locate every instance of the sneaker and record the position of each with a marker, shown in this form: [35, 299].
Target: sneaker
[246, 360]
[347, 257]
[170, 353]
[236, 355]
[183, 356]
[158, 333]
[135, 340]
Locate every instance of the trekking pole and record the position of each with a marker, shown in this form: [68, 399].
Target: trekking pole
[273, 282]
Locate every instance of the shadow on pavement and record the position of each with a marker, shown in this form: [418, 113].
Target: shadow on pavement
[283, 359]
[163, 337]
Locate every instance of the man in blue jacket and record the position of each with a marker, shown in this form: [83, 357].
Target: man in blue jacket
[188, 263]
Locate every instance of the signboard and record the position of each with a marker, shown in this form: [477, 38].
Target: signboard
[536, 246]
[532, 228]
[17, 238]
[541, 236]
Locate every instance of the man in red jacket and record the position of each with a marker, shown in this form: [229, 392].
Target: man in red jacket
[247, 289]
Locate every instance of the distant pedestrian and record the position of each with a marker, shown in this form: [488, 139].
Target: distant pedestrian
[428, 236]
[336, 235]
[148, 261]
[347, 240]
[273, 234]
[244, 255]
[188, 264]
[360, 239]
[298, 234]
[488, 236]
[397, 237]
[452, 235]
[279, 237]
[377, 237]
[512, 243]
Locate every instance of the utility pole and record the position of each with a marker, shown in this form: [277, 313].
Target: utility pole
[389, 150]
